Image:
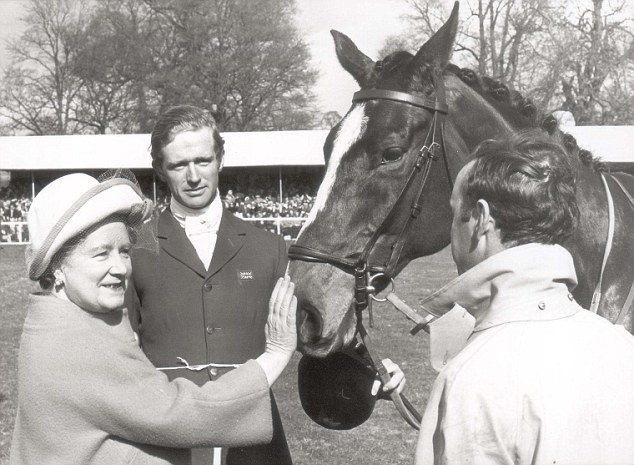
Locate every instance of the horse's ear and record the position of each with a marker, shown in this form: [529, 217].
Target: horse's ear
[351, 58]
[438, 48]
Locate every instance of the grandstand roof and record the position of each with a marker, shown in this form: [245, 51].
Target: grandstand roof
[274, 148]
[243, 149]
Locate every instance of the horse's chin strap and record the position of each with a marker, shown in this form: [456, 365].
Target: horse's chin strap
[404, 407]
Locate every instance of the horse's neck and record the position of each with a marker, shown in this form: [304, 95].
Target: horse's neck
[472, 117]
[587, 244]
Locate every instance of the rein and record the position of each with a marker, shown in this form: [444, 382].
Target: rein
[365, 272]
[596, 297]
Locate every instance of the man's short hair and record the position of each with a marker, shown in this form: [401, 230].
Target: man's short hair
[529, 183]
[179, 119]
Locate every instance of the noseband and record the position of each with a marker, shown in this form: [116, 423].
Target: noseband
[364, 272]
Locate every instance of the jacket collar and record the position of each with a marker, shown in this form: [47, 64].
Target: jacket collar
[527, 282]
[231, 237]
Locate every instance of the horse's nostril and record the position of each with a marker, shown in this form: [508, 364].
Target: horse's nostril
[310, 323]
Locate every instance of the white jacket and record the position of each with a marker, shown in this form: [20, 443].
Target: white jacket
[540, 381]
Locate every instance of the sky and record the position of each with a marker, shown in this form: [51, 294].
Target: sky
[366, 22]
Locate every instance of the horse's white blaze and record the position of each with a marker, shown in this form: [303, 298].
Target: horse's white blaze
[351, 130]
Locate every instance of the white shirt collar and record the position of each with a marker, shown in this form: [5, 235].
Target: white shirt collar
[210, 214]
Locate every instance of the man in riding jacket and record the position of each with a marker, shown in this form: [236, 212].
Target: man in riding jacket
[540, 380]
[203, 299]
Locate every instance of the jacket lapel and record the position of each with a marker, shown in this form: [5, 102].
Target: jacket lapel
[174, 242]
[231, 238]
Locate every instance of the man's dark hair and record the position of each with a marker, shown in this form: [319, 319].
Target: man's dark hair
[178, 119]
[529, 183]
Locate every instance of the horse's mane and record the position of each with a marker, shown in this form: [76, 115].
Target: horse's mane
[523, 111]
[511, 104]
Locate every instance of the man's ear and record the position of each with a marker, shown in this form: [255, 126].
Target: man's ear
[485, 223]
[158, 169]
[222, 163]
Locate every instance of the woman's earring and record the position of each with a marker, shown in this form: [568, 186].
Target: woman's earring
[58, 283]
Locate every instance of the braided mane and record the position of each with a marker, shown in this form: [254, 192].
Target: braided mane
[522, 112]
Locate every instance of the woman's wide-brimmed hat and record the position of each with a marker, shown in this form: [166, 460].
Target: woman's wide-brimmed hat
[73, 204]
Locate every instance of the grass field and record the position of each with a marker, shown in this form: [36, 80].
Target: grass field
[384, 439]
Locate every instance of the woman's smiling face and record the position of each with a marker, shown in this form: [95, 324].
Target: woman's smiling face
[96, 271]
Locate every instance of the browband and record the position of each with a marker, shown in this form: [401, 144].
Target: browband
[427, 103]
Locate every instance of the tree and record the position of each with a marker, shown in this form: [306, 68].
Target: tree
[596, 49]
[243, 56]
[112, 65]
[39, 88]
[116, 65]
[565, 57]
[330, 119]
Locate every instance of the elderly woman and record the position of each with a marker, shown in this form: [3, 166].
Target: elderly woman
[87, 393]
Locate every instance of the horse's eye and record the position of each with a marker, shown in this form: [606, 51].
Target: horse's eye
[392, 154]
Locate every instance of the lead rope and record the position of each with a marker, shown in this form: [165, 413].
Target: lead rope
[596, 296]
[404, 407]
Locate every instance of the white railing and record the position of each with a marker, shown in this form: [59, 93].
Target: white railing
[284, 225]
[17, 232]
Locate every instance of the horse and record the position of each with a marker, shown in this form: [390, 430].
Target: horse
[390, 166]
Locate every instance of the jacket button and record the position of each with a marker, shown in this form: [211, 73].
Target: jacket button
[541, 305]
[207, 286]
[210, 329]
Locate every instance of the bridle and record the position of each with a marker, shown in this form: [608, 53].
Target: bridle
[365, 273]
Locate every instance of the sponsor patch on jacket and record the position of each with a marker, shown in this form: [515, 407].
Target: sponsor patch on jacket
[246, 275]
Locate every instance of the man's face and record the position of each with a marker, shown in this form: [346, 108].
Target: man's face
[464, 247]
[190, 168]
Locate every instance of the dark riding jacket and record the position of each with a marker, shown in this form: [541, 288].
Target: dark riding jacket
[215, 316]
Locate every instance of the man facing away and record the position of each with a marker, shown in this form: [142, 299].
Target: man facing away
[202, 300]
[541, 380]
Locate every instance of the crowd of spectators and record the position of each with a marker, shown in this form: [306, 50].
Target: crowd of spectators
[265, 205]
[257, 196]
[250, 196]
[15, 201]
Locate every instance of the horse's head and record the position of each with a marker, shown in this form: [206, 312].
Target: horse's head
[370, 156]
[385, 196]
